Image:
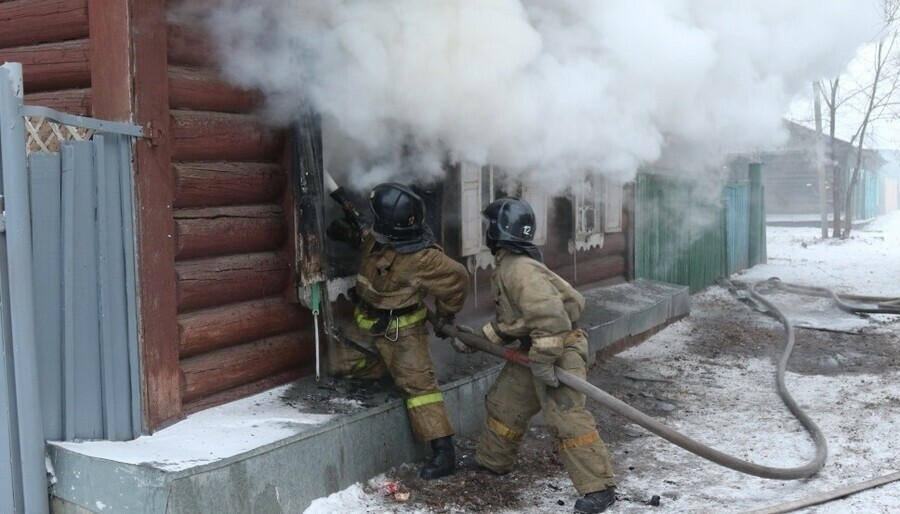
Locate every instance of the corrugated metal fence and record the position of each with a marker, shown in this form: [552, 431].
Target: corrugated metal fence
[685, 235]
[69, 361]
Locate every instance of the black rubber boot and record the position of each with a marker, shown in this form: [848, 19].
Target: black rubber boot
[443, 461]
[595, 502]
[468, 462]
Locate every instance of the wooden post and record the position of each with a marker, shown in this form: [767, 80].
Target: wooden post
[129, 81]
[757, 216]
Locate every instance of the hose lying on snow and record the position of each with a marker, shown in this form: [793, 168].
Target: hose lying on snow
[885, 305]
[630, 413]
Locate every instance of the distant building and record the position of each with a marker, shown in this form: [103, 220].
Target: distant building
[791, 178]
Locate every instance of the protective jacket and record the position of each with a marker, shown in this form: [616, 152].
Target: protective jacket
[533, 304]
[537, 307]
[389, 320]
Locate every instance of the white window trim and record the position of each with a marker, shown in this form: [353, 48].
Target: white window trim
[472, 193]
[606, 195]
[613, 204]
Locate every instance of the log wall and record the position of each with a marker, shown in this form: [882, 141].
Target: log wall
[50, 39]
[237, 333]
[213, 228]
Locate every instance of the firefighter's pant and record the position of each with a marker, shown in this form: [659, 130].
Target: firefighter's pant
[408, 360]
[516, 397]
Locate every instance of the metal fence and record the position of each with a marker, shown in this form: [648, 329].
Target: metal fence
[69, 361]
[685, 235]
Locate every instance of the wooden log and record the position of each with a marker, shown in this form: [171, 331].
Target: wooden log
[257, 386]
[207, 136]
[52, 66]
[220, 281]
[209, 184]
[190, 45]
[72, 101]
[29, 22]
[220, 370]
[202, 89]
[216, 231]
[214, 329]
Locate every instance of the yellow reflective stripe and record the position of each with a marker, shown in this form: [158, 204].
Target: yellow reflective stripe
[360, 365]
[547, 342]
[399, 322]
[425, 399]
[492, 334]
[580, 441]
[503, 430]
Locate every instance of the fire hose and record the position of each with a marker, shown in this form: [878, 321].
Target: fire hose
[885, 305]
[630, 413]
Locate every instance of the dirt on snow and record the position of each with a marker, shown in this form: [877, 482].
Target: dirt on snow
[721, 331]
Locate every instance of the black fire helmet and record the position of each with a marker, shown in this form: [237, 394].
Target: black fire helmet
[399, 218]
[511, 225]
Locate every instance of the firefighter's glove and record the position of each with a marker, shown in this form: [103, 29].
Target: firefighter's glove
[342, 230]
[444, 320]
[460, 346]
[544, 372]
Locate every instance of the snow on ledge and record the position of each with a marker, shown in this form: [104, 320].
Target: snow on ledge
[211, 435]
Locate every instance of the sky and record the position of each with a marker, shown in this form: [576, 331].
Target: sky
[548, 90]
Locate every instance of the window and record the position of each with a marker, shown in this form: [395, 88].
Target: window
[481, 185]
[597, 209]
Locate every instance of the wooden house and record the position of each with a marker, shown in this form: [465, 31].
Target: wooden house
[223, 250]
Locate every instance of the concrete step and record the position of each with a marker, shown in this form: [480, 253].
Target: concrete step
[277, 451]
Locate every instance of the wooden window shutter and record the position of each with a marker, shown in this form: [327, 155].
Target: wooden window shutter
[538, 200]
[470, 208]
[612, 206]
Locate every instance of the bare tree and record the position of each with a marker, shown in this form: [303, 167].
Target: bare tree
[872, 101]
[877, 101]
[833, 102]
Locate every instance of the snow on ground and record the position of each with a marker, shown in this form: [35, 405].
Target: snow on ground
[730, 403]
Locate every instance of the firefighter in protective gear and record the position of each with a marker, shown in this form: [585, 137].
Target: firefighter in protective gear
[401, 265]
[539, 309]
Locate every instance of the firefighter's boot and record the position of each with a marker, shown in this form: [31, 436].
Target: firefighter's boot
[595, 502]
[443, 461]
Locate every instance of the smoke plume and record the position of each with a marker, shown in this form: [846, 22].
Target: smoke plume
[546, 89]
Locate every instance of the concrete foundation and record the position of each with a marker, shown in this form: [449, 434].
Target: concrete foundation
[285, 475]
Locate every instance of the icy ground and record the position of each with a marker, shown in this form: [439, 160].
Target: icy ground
[711, 376]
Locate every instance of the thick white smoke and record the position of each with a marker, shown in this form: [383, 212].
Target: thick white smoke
[546, 89]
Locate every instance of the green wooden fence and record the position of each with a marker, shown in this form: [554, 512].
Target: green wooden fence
[686, 235]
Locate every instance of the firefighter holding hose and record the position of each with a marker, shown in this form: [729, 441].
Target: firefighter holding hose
[401, 265]
[540, 310]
